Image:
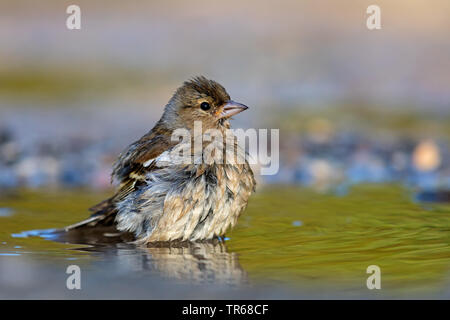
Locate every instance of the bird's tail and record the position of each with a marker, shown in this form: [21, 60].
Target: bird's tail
[103, 213]
[99, 228]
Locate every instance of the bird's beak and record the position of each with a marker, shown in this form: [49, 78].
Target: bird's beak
[231, 108]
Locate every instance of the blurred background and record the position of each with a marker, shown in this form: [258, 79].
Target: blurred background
[353, 105]
[364, 119]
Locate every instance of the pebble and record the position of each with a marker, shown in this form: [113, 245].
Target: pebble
[322, 158]
[426, 156]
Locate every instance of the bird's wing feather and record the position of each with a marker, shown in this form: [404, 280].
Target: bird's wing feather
[129, 171]
[130, 163]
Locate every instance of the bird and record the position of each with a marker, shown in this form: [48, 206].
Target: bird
[167, 201]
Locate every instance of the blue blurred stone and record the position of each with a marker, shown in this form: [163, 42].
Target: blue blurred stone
[8, 178]
[367, 172]
[424, 180]
[434, 196]
[72, 177]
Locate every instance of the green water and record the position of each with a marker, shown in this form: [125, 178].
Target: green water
[293, 238]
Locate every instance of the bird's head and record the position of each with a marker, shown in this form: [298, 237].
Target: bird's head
[201, 100]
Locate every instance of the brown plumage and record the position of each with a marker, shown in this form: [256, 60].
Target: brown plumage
[158, 200]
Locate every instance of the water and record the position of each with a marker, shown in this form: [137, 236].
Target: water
[290, 243]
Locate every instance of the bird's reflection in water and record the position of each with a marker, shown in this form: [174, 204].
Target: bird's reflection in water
[198, 262]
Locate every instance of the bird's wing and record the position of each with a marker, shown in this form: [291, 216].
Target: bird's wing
[129, 171]
[130, 164]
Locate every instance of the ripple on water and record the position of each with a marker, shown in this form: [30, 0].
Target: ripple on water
[43, 233]
[288, 236]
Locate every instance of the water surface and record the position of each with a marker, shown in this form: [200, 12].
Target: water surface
[290, 243]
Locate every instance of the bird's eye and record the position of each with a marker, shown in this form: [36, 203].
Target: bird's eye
[205, 106]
